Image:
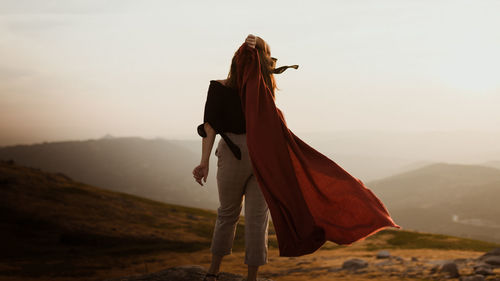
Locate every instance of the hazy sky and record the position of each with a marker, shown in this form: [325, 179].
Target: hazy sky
[82, 69]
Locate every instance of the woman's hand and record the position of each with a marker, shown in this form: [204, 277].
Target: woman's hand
[251, 40]
[201, 172]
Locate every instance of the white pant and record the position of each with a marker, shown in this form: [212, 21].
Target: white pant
[235, 180]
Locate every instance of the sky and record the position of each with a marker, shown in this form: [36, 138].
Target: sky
[83, 69]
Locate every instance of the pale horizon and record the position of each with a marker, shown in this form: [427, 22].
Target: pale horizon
[73, 70]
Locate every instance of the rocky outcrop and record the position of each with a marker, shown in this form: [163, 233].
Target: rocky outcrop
[354, 264]
[450, 269]
[465, 269]
[384, 254]
[495, 253]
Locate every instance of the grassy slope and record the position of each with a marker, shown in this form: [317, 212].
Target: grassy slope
[48, 216]
[429, 197]
[62, 213]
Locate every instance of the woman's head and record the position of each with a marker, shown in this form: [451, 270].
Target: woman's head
[267, 64]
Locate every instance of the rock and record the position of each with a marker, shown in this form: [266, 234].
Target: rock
[354, 264]
[483, 270]
[494, 252]
[482, 264]
[182, 273]
[492, 260]
[451, 269]
[384, 254]
[472, 278]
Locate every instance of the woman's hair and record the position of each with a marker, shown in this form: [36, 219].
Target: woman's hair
[267, 65]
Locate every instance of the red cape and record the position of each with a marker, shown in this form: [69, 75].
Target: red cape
[311, 199]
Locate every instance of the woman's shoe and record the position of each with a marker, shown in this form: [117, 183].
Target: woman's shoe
[211, 275]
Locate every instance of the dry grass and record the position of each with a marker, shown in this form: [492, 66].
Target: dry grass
[59, 229]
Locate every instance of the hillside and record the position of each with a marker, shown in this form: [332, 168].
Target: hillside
[60, 229]
[445, 198]
[48, 215]
[157, 169]
[161, 169]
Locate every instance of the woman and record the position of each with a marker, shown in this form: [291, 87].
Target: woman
[310, 197]
[235, 179]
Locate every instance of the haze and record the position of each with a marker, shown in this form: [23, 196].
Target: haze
[82, 69]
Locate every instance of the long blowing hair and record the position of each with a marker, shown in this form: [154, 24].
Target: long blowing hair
[267, 64]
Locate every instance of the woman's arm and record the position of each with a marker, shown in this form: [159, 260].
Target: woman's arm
[207, 143]
[201, 171]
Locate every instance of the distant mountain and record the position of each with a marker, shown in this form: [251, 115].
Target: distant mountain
[494, 164]
[463, 146]
[365, 166]
[107, 136]
[153, 168]
[454, 199]
[161, 170]
[158, 169]
[412, 166]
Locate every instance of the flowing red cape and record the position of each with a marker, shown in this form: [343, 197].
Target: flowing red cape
[311, 199]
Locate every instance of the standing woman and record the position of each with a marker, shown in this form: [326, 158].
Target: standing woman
[310, 197]
[224, 115]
